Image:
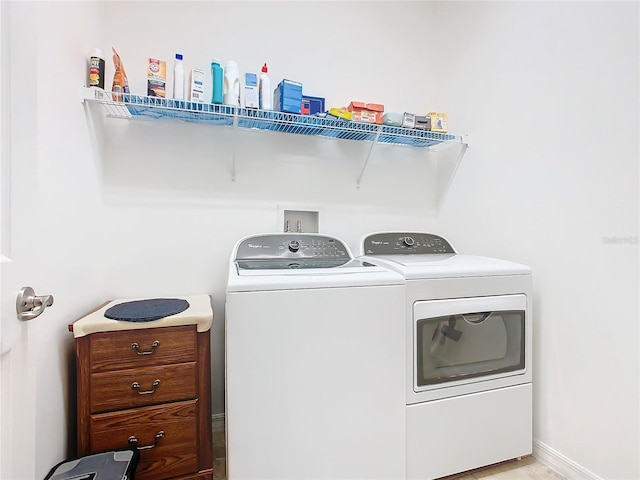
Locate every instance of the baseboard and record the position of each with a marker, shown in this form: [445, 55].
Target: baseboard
[217, 421]
[560, 463]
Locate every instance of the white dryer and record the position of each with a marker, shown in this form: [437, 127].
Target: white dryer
[314, 362]
[468, 353]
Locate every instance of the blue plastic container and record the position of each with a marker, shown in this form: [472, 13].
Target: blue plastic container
[216, 81]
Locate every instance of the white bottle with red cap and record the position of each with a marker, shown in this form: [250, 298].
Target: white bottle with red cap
[265, 90]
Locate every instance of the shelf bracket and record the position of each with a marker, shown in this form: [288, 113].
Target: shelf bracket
[233, 146]
[445, 175]
[95, 122]
[366, 160]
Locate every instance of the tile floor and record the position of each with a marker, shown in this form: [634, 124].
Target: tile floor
[528, 468]
[219, 465]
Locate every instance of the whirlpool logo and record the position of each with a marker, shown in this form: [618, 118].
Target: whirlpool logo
[257, 245]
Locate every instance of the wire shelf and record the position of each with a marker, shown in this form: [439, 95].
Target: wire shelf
[137, 106]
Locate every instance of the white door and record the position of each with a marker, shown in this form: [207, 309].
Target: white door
[19, 243]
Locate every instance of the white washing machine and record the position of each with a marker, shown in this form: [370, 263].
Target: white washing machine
[314, 362]
[468, 353]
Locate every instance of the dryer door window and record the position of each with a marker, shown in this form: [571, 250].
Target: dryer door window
[462, 339]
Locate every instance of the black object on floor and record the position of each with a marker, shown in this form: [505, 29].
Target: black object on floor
[146, 310]
[114, 465]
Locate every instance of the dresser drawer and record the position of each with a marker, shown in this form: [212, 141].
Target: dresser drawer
[142, 348]
[166, 437]
[139, 387]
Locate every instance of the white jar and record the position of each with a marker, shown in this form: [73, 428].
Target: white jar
[232, 84]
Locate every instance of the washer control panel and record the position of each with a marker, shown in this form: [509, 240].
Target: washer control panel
[292, 245]
[405, 243]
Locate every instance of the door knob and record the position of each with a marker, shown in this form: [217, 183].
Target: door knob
[29, 306]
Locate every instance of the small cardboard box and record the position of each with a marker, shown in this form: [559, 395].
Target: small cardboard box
[250, 90]
[409, 120]
[156, 78]
[422, 122]
[439, 122]
[312, 105]
[196, 85]
[287, 97]
[366, 112]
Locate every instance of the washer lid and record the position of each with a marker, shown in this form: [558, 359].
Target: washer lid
[419, 255]
[298, 260]
[352, 274]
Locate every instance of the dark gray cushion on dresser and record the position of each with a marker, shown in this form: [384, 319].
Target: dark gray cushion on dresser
[146, 310]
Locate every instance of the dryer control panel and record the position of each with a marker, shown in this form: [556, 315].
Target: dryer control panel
[405, 243]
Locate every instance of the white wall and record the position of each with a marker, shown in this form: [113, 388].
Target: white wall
[172, 213]
[550, 92]
[551, 105]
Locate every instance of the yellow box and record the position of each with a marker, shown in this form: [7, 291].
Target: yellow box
[439, 122]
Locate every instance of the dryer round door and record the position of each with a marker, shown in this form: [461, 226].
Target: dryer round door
[457, 341]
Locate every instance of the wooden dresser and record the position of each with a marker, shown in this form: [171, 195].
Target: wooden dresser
[147, 385]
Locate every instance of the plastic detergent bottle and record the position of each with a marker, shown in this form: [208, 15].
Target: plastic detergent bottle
[96, 69]
[265, 90]
[178, 78]
[216, 81]
[231, 85]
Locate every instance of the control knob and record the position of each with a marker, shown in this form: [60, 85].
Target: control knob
[408, 241]
[294, 245]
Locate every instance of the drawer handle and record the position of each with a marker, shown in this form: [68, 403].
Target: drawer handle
[134, 441]
[136, 348]
[136, 386]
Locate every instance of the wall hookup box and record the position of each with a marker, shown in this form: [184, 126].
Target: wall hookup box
[287, 97]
